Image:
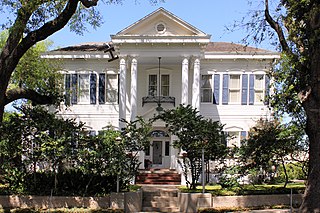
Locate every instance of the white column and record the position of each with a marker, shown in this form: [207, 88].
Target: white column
[122, 90]
[133, 101]
[184, 81]
[196, 85]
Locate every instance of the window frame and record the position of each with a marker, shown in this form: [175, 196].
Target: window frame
[262, 89]
[107, 90]
[80, 100]
[233, 89]
[157, 92]
[206, 88]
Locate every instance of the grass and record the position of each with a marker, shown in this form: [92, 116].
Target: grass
[239, 209]
[217, 190]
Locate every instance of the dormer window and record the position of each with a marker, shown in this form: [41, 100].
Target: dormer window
[160, 27]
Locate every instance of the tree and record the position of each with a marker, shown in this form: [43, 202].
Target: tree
[34, 73]
[269, 143]
[294, 26]
[194, 133]
[35, 141]
[35, 21]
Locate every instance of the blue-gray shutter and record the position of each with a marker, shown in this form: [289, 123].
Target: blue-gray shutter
[67, 85]
[244, 93]
[118, 89]
[74, 88]
[251, 89]
[225, 89]
[102, 88]
[267, 88]
[216, 89]
[93, 88]
[243, 135]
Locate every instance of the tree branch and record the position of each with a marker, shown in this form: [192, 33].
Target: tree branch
[89, 3]
[19, 93]
[48, 28]
[275, 25]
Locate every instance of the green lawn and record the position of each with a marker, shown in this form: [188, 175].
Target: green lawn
[217, 190]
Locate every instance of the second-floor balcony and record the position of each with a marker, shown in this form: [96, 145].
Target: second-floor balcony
[158, 99]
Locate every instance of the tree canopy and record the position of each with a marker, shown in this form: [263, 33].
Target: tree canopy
[194, 133]
[29, 22]
[294, 27]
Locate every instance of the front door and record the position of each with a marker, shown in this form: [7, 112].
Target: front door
[157, 152]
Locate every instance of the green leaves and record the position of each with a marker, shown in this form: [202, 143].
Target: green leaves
[194, 133]
[37, 141]
[270, 143]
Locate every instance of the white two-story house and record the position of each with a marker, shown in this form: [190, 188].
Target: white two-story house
[163, 62]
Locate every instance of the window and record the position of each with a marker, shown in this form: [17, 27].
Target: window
[234, 88]
[167, 148]
[147, 151]
[161, 28]
[259, 88]
[112, 88]
[84, 88]
[165, 85]
[153, 85]
[206, 88]
[233, 139]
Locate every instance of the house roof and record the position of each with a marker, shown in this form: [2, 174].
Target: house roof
[212, 47]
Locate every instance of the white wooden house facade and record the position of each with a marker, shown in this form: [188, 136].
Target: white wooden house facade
[224, 81]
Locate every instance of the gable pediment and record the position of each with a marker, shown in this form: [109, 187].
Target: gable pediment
[161, 23]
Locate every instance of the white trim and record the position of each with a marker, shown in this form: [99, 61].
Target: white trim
[74, 55]
[154, 39]
[239, 56]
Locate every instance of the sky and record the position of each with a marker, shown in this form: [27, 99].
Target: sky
[209, 16]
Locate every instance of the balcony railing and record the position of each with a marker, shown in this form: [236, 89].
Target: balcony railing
[159, 99]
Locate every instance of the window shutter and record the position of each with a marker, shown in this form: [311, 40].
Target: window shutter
[118, 88]
[225, 89]
[243, 136]
[93, 88]
[102, 88]
[251, 89]
[67, 86]
[244, 97]
[216, 89]
[74, 88]
[267, 85]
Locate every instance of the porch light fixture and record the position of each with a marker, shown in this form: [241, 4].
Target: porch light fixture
[159, 108]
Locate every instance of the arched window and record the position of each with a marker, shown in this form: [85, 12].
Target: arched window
[159, 134]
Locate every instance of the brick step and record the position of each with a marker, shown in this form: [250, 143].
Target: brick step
[158, 176]
[159, 183]
[158, 171]
[167, 177]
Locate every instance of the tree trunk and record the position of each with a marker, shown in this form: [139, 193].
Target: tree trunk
[312, 107]
[312, 193]
[2, 99]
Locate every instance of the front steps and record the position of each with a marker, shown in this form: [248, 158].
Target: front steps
[160, 199]
[158, 177]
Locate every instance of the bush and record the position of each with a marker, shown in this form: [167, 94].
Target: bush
[68, 183]
[294, 171]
